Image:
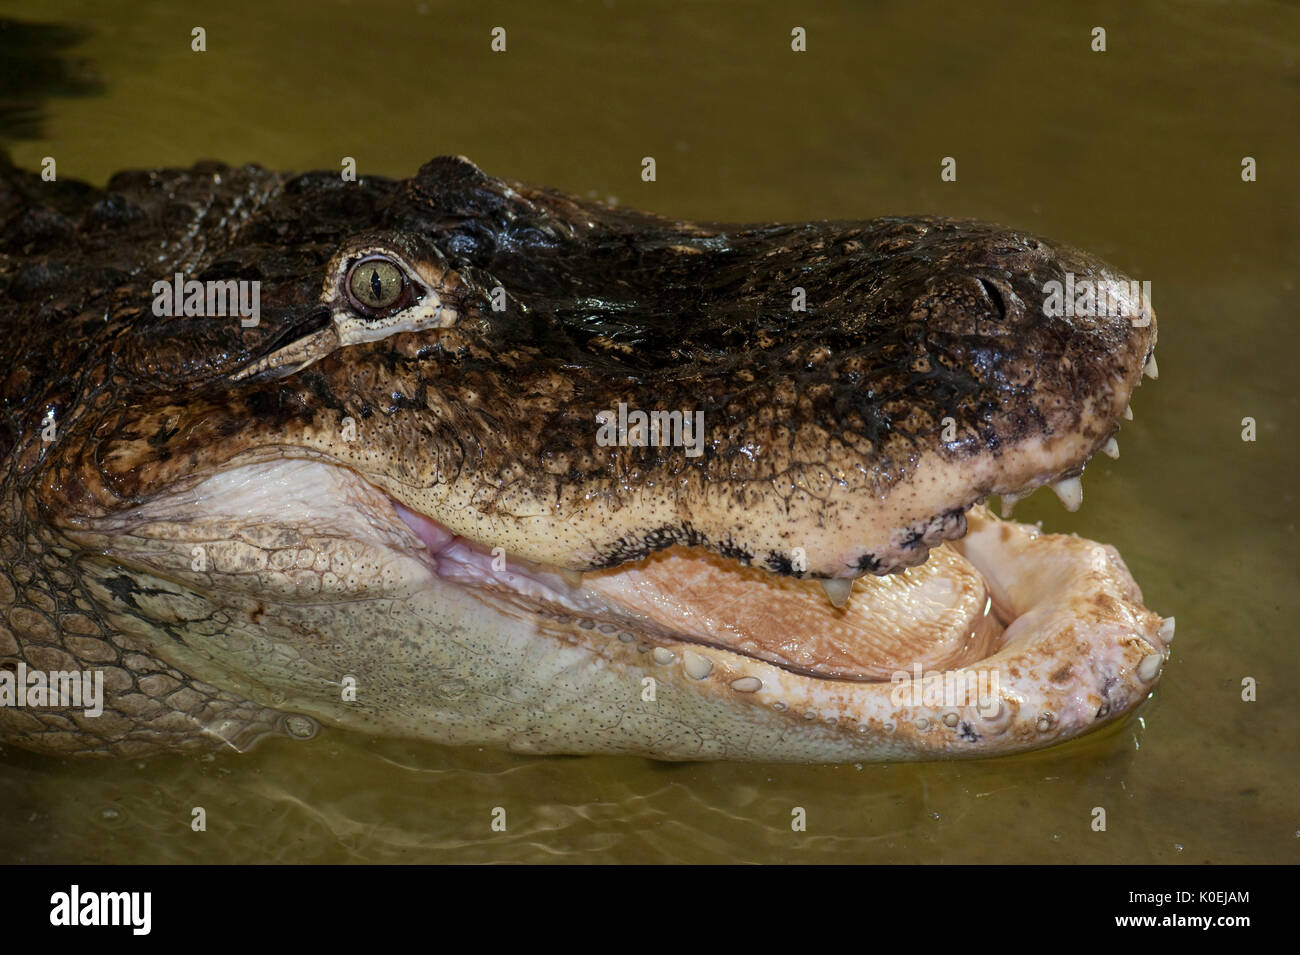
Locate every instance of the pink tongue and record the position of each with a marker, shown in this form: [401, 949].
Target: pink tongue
[461, 561]
[435, 537]
[935, 615]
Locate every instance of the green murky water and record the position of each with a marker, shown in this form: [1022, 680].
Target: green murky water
[1134, 153]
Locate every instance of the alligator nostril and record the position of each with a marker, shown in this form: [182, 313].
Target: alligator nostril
[995, 297]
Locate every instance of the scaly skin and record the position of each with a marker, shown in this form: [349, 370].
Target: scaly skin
[847, 439]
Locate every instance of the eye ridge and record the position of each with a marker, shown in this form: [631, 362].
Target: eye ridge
[377, 285]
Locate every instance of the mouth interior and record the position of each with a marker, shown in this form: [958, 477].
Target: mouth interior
[940, 614]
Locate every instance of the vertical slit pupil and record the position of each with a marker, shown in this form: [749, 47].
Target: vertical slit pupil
[376, 286]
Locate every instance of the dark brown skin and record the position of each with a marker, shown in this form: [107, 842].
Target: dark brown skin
[824, 428]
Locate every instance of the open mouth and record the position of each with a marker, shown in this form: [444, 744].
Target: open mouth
[1007, 639]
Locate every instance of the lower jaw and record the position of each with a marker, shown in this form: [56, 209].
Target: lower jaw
[1079, 650]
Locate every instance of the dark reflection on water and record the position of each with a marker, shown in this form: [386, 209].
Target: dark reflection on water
[1134, 154]
[35, 64]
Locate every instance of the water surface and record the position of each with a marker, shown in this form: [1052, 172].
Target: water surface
[1134, 154]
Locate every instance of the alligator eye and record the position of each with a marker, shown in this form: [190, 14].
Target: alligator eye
[376, 284]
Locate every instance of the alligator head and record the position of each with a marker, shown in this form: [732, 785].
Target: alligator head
[492, 465]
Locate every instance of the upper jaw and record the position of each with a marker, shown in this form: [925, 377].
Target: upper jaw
[841, 446]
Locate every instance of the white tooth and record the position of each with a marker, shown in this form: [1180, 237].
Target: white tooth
[571, 577]
[697, 666]
[1070, 491]
[1166, 630]
[1150, 369]
[1148, 667]
[1009, 502]
[1110, 448]
[747, 684]
[1128, 412]
[838, 590]
[663, 656]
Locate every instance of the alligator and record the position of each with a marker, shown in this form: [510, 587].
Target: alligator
[490, 464]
